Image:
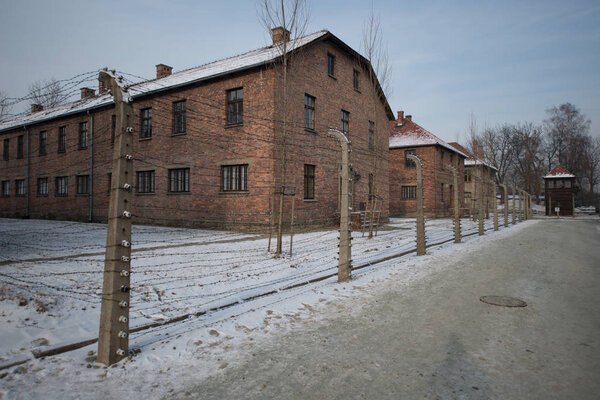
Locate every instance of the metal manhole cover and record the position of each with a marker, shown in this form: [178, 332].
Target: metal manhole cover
[503, 301]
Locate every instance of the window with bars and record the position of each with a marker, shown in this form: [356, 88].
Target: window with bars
[409, 192]
[83, 184]
[235, 106]
[330, 64]
[345, 122]
[146, 123]
[234, 178]
[43, 138]
[371, 134]
[179, 180]
[309, 182]
[179, 122]
[62, 139]
[20, 187]
[442, 192]
[5, 188]
[20, 146]
[408, 162]
[468, 176]
[309, 112]
[145, 182]
[42, 186]
[83, 135]
[6, 149]
[61, 185]
[355, 79]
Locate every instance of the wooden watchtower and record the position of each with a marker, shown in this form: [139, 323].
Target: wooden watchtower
[559, 184]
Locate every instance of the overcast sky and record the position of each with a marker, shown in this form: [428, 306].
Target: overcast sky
[501, 61]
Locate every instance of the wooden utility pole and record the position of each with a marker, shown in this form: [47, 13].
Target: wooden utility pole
[113, 341]
[420, 211]
[345, 252]
[495, 205]
[480, 204]
[456, 205]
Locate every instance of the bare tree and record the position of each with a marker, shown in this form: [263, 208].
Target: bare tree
[379, 74]
[528, 167]
[48, 93]
[5, 107]
[567, 130]
[292, 16]
[591, 167]
[497, 148]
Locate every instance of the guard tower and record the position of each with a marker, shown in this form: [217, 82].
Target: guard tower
[559, 198]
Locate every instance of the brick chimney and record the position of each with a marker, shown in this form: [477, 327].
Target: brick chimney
[400, 117]
[408, 118]
[279, 35]
[87, 93]
[36, 108]
[163, 70]
[102, 89]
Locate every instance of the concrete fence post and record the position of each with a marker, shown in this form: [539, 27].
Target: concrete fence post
[514, 205]
[113, 341]
[420, 211]
[505, 197]
[456, 205]
[345, 252]
[480, 207]
[520, 205]
[495, 205]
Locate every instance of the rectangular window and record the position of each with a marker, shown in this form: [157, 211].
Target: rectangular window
[61, 185]
[145, 182]
[355, 77]
[83, 184]
[20, 146]
[43, 137]
[371, 183]
[20, 187]
[567, 184]
[409, 192]
[330, 64]
[442, 190]
[109, 183]
[468, 175]
[442, 157]
[179, 117]
[5, 188]
[113, 129]
[235, 106]
[42, 186]
[345, 122]
[6, 149]
[146, 123]
[234, 178]
[62, 139]
[83, 135]
[309, 112]
[408, 162]
[371, 134]
[179, 180]
[309, 182]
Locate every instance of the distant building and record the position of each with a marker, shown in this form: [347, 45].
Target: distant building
[407, 137]
[559, 195]
[476, 166]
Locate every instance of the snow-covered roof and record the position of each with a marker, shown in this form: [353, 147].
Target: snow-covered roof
[471, 159]
[214, 69]
[559, 172]
[410, 134]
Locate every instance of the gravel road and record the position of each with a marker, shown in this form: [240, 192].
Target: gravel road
[435, 339]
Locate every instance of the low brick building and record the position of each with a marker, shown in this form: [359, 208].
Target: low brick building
[407, 137]
[210, 145]
[559, 197]
[476, 166]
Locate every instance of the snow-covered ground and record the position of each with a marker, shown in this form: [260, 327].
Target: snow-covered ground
[51, 277]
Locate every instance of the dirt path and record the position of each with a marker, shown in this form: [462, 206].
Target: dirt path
[435, 339]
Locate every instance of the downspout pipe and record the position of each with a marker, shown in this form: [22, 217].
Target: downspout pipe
[27, 174]
[91, 189]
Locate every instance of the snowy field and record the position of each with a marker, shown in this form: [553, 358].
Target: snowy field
[51, 278]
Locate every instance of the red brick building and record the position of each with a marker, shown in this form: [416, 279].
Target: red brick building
[407, 137]
[209, 142]
[559, 185]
